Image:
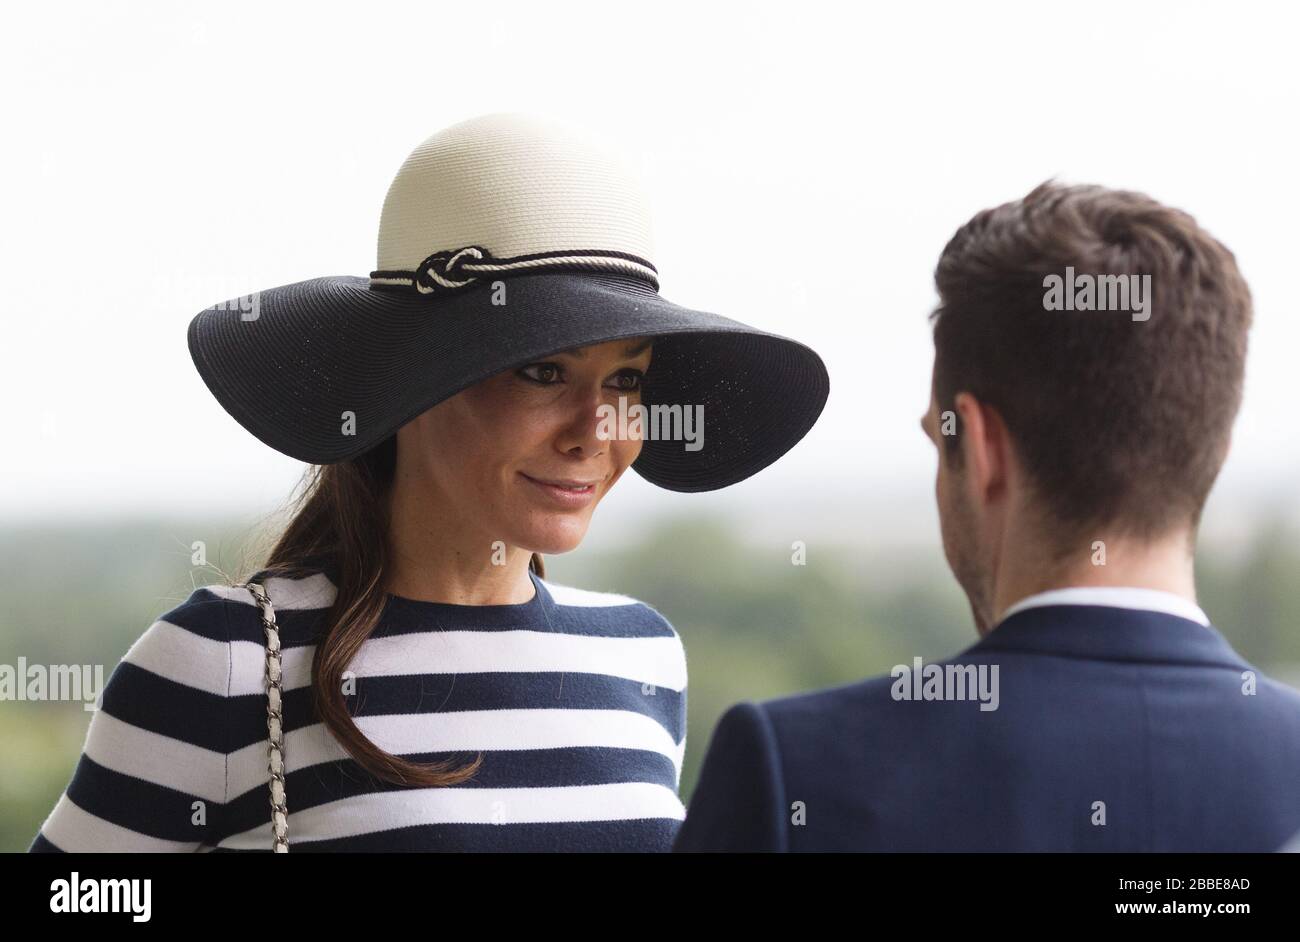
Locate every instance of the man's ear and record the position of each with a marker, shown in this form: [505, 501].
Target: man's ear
[985, 449]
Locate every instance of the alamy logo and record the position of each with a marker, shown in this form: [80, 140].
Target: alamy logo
[249, 306]
[55, 682]
[1085, 292]
[946, 682]
[75, 895]
[658, 422]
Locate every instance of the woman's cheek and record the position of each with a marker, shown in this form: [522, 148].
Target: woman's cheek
[625, 452]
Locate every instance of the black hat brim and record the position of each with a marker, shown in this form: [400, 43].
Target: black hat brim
[323, 347]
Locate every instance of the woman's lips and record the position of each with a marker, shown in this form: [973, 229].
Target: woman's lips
[564, 492]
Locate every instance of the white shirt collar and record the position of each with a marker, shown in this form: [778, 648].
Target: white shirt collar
[1149, 600]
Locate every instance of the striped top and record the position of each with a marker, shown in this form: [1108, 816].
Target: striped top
[575, 699]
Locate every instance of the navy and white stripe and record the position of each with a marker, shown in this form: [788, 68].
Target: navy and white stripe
[576, 699]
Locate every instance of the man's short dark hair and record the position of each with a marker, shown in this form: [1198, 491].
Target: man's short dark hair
[1118, 421]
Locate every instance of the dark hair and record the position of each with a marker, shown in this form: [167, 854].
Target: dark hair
[1117, 421]
[340, 526]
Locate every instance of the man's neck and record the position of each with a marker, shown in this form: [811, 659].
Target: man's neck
[1164, 564]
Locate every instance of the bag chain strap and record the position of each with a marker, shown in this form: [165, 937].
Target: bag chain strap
[274, 720]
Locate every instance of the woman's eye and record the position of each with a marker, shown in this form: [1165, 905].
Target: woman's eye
[628, 380]
[545, 373]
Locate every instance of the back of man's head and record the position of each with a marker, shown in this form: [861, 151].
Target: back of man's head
[1120, 413]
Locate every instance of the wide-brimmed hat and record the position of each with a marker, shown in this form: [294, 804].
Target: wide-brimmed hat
[504, 239]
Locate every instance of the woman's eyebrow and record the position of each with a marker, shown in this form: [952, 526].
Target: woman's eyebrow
[635, 348]
[631, 351]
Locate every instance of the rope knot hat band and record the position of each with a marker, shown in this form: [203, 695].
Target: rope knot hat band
[448, 271]
[561, 221]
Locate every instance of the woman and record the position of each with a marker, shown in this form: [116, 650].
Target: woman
[465, 410]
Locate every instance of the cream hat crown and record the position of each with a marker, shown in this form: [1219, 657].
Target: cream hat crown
[511, 193]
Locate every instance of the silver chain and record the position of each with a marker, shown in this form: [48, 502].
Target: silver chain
[274, 720]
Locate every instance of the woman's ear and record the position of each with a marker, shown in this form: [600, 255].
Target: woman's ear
[985, 449]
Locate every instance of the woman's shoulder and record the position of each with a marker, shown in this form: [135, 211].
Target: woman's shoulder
[629, 630]
[228, 611]
[187, 644]
[612, 608]
[212, 640]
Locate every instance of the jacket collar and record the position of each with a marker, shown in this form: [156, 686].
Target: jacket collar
[1153, 600]
[1110, 633]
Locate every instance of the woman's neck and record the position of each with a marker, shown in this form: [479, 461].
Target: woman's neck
[439, 558]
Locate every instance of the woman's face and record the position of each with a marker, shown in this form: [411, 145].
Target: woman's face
[516, 457]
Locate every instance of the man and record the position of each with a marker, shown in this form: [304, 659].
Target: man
[1089, 353]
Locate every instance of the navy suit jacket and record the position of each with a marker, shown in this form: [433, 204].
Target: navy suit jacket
[1140, 711]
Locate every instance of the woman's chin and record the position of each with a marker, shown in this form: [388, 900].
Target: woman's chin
[551, 534]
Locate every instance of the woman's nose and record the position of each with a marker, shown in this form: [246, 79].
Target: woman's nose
[586, 418]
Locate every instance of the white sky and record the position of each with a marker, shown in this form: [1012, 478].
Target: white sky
[807, 163]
